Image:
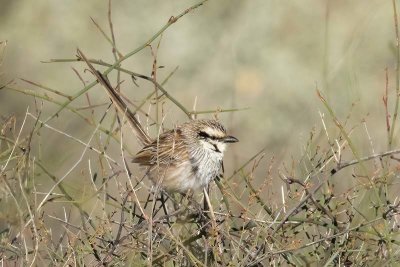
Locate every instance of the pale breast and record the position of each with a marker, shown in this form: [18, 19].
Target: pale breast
[191, 174]
[177, 178]
[206, 165]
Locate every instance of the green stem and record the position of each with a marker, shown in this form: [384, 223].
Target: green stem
[171, 21]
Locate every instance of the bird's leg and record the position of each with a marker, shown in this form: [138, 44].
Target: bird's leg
[206, 209]
[163, 199]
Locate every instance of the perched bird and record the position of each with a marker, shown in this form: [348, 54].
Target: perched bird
[185, 158]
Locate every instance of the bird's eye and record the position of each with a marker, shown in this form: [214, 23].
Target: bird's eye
[204, 135]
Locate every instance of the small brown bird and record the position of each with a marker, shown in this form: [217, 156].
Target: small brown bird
[185, 158]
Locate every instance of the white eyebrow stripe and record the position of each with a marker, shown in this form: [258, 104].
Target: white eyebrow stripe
[212, 132]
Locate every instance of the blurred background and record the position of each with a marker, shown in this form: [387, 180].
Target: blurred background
[268, 56]
[264, 57]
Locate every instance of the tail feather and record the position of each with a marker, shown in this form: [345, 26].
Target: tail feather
[123, 109]
[119, 104]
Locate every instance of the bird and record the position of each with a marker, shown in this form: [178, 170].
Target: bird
[185, 158]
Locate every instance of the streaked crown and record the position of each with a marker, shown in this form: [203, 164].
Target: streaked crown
[209, 132]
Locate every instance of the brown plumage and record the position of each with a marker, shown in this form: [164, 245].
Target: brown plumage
[185, 158]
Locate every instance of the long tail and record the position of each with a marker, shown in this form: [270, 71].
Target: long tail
[119, 104]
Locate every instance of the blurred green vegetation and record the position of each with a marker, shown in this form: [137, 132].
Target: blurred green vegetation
[266, 55]
[270, 56]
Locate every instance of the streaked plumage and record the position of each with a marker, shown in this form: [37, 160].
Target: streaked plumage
[185, 158]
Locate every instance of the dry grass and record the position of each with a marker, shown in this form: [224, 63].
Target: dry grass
[336, 207]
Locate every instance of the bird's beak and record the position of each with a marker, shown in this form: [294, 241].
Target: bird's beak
[230, 139]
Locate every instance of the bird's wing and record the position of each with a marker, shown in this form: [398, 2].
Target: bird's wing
[167, 149]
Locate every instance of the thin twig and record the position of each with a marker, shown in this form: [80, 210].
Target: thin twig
[170, 22]
[397, 100]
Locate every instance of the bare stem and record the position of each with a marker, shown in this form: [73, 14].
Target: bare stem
[396, 108]
[171, 21]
